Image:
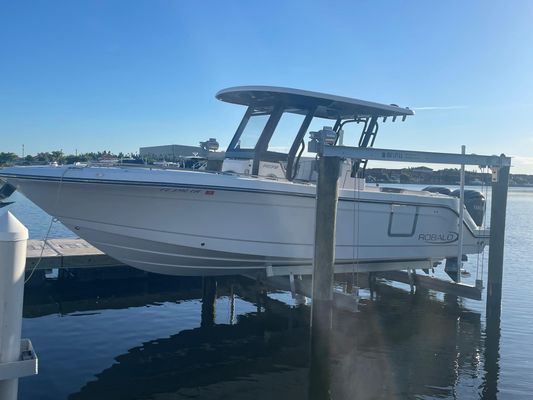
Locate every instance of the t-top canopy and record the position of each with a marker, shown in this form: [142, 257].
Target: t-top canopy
[300, 101]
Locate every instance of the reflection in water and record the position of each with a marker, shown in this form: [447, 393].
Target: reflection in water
[492, 355]
[406, 345]
[192, 361]
[397, 346]
[209, 297]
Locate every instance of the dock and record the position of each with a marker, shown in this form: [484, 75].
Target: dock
[66, 253]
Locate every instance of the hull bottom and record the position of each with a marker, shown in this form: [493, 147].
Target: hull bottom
[171, 259]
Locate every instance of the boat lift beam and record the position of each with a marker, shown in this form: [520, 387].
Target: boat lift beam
[372, 153]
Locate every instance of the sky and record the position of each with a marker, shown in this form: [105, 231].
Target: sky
[117, 75]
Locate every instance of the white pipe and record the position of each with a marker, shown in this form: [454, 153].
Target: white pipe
[13, 242]
[461, 218]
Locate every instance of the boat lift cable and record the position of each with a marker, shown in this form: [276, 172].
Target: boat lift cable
[52, 220]
[367, 139]
[477, 266]
[484, 191]
[477, 255]
[355, 234]
[486, 176]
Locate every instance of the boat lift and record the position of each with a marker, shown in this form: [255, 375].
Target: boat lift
[326, 213]
[322, 143]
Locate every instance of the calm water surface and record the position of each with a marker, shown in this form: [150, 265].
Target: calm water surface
[154, 337]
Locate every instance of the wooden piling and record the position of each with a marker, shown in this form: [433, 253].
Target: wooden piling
[496, 244]
[323, 268]
[209, 298]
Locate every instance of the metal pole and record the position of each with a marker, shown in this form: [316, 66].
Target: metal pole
[323, 268]
[13, 242]
[461, 218]
[497, 234]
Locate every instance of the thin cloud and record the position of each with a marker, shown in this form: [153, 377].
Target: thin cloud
[521, 165]
[521, 160]
[441, 108]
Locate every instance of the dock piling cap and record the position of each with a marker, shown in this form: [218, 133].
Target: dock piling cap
[11, 229]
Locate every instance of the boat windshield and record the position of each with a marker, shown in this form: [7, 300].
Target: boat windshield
[252, 131]
[287, 128]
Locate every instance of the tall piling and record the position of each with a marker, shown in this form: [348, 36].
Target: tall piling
[323, 268]
[496, 245]
[13, 243]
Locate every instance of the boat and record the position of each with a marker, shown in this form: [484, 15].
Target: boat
[256, 213]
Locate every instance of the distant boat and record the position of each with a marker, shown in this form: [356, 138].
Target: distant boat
[258, 213]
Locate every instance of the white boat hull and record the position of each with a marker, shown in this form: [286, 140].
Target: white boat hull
[197, 223]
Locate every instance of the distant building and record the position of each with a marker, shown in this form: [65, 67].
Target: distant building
[171, 152]
[108, 158]
[422, 170]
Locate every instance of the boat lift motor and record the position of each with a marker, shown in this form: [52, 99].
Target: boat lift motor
[210, 145]
[325, 136]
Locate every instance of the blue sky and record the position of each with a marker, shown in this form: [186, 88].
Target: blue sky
[117, 75]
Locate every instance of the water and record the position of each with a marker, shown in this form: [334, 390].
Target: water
[37, 221]
[152, 338]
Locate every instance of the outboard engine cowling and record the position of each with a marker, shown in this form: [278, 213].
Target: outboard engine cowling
[437, 189]
[474, 203]
[6, 190]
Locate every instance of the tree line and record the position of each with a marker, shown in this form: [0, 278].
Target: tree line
[419, 175]
[447, 176]
[7, 158]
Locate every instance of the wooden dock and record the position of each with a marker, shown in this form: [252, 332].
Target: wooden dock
[66, 253]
